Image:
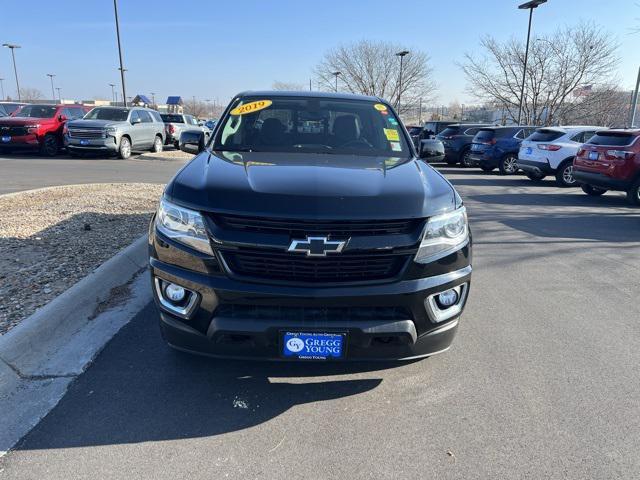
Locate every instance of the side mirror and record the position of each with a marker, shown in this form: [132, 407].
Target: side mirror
[136, 121]
[62, 118]
[192, 141]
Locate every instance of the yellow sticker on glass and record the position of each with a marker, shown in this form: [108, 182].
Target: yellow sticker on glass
[379, 106]
[251, 107]
[392, 135]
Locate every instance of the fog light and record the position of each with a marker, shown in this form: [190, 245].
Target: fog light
[447, 298]
[174, 292]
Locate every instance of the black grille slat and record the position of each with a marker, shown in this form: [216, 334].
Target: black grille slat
[312, 314]
[338, 228]
[13, 131]
[285, 266]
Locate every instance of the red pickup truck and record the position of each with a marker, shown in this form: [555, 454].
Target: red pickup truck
[37, 127]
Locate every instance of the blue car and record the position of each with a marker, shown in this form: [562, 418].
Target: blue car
[497, 147]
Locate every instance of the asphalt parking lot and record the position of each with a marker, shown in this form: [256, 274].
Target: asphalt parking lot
[26, 171]
[542, 380]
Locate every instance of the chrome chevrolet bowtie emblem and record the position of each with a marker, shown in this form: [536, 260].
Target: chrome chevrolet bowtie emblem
[316, 246]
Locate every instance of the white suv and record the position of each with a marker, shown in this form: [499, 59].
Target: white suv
[550, 151]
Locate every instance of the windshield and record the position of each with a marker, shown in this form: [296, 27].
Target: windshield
[414, 130]
[450, 131]
[36, 111]
[168, 118]
[312, 125]
[115, 114]
[545, 135]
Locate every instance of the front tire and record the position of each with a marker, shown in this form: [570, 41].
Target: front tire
[157, 145]
[124, 151]
[593, 191]
[633, 194]
[49, 147]
[508, 165]
[564, 175]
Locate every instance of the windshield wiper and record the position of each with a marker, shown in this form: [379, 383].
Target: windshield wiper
[235, 149]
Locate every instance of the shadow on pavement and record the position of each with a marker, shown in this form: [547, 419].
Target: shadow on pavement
[579, 199]
[139, 390]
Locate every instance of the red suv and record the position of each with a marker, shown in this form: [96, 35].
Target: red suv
[37, 127]
[610, 160]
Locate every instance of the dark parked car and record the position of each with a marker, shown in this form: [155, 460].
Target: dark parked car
[37, 127]
[457, 140]
[610, 160]
[415, 132]
[497, 147]
[307, 229]
[431, 129]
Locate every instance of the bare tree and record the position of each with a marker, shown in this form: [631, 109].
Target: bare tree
[607, 105]
[288, 86]
[559, 64]
[197, 108]
[30, 94]
[373, 68]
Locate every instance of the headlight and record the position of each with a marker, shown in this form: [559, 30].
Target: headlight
[110, 130]
[183, 225]
[444, 234]
[32, 128]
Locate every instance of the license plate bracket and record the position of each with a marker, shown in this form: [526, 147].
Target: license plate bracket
[84, 142]
[313, 345]
[593, 155]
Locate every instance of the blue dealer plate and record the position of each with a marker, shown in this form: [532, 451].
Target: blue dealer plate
[313, 345]
[529, 150]
[84, 142]
[593, 155]
[6, 139]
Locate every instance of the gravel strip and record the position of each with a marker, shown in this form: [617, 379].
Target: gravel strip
[53, 237]
[166, 155]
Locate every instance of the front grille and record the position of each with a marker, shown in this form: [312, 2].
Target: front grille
[302, 228]
[13, 131]
[291, 267]
[311, 314]
[86, 132]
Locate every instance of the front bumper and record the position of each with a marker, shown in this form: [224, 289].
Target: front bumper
[108, 144]
[229, 319]
[17, 142]
[537, 168]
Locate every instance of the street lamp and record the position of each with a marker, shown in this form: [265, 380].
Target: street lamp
[122, 69]
[113, 92]
[335, 74]
[153, 98]
[2, 88]
[401, 55]
[59, 95]
[15, 70]
[53, 92]
[531, 5]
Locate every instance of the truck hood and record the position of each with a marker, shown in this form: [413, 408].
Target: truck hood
[302, 185]
[94, 123]
[21, 121]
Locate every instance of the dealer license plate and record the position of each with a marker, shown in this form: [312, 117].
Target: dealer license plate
[6, 139]
[528, 150]
[593, 155]
[313, 345]
[84, 142]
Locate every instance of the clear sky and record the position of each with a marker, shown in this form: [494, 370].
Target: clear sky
[214, 49]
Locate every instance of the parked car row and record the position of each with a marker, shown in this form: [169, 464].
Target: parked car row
[79, 129]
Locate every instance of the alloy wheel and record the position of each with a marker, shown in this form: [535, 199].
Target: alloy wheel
[510, 165]
[567, 175]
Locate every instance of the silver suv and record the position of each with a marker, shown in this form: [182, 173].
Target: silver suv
[115, 130]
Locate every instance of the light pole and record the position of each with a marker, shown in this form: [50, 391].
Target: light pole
[59, 95]
[122, 69]
[15, 70]
[336, 74]
[2, 88]
[401, 55]
[530, 5]
[153, 99]
[53, 92]
[634, 102]
[113, 92]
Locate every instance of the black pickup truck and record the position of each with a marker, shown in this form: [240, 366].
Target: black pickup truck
[308, 229]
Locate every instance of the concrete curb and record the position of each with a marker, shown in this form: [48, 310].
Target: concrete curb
[42, 355]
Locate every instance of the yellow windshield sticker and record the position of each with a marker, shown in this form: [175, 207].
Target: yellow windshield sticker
[251, 107]
[379, 106]
[392, 135]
